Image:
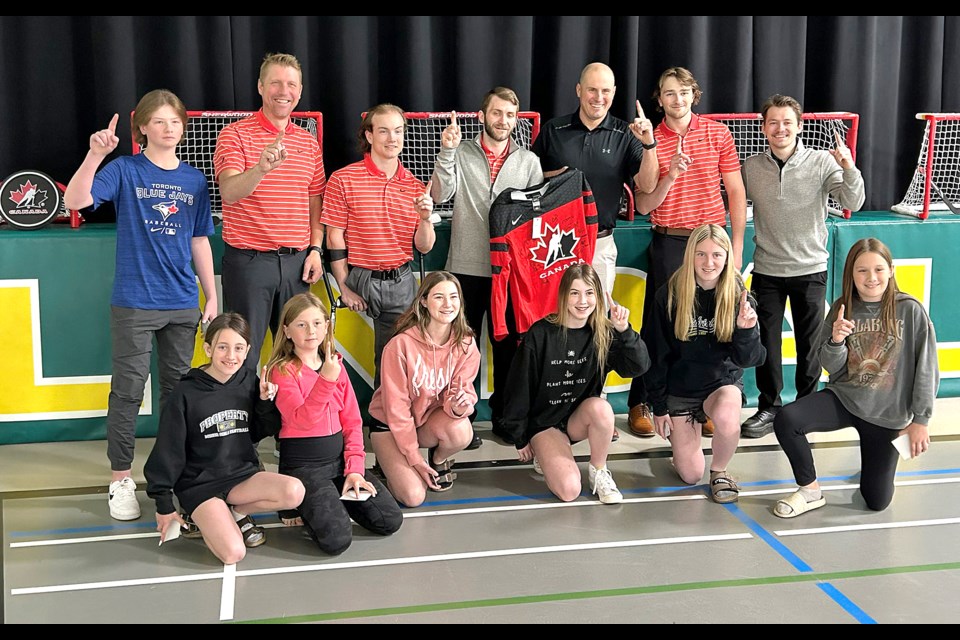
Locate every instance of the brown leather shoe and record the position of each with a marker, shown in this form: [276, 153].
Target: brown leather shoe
[708, 428]
[641, 421]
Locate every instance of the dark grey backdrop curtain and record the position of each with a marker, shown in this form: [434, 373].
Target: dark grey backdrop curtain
[62, 77]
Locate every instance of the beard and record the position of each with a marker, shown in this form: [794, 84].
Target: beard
[497, 134]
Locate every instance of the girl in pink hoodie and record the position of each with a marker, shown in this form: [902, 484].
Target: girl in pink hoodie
[321, 437]
[426, 392]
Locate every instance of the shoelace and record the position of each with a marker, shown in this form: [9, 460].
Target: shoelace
[603, 482]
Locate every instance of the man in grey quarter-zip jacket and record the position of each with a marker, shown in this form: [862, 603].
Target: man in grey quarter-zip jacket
[789, 185]
[473, 174]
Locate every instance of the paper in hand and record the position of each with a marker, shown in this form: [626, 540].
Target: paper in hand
[172, 532]
[350, 496]
[902, 444]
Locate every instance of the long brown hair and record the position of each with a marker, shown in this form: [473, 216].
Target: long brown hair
[418, 316]
[283, 356]
[598, 320]
[849, 293]
[682, 288]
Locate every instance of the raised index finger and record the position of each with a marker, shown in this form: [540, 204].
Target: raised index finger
[840, 143]
[453, 118]
[279, 138]
[112, 127]
[429, 184]
[640, 111]
[610, 303]
[743, 300]
[840, 312]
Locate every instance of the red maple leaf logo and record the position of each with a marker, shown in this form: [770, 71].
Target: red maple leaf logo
[24, 193]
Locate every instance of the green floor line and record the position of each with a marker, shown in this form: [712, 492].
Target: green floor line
[606, 593]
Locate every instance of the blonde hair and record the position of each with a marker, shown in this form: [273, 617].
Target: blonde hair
[418, 316]
[598, 320]
[281, 60]
[682, 288]
[283, 356]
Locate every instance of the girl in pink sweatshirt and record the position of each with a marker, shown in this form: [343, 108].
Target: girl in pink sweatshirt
[321, 437]
[426, 392]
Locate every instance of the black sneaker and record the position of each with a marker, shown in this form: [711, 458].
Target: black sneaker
[476, 443]
[758, 425]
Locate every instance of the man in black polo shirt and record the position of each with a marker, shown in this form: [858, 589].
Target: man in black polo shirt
[601, 145]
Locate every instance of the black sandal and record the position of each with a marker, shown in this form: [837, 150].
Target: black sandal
[446, 476]
[253, 535]
[189, 528]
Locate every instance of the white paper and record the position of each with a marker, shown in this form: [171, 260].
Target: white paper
[350, 496]
[902, 444]
[172, 532]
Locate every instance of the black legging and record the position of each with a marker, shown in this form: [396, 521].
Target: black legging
[822, 412]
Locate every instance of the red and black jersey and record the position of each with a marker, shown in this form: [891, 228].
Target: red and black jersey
[535, 234]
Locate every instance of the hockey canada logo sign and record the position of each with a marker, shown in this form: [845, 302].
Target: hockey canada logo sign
[29, 200]
[554, 246]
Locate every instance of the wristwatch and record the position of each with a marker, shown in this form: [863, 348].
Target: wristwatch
[649, 146]
[316, 248]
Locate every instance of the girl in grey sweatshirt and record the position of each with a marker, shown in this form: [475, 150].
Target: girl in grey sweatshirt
[880, 349]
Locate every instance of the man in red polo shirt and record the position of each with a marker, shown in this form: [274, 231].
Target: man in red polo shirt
[695, 154]
[375, 211]
[271, 178]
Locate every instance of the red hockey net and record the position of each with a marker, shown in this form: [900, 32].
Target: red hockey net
[936, 181]
[817, 133]
[200, 141]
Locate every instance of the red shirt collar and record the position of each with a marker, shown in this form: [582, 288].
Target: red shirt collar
[269, 126]
[490, 154]
[693, 126]
[374, 170]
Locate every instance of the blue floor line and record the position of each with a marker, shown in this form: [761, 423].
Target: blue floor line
[845, 603]
[151, 525]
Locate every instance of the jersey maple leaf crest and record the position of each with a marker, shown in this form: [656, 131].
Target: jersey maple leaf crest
[554, 246]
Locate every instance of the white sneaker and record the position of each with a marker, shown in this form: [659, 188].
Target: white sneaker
[603, 486]
[123, 500]
[536, 467]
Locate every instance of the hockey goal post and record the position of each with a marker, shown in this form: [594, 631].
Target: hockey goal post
[935, 185]
[421, 140]
[200, 141]
[817, 133]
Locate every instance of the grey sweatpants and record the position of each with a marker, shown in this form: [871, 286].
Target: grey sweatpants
[131, 333]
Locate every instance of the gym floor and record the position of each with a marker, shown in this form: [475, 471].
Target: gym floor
[499, 548]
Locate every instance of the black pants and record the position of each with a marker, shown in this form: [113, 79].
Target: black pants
[256, 284]
[476, 304]
[665, 257]
[807, 296]
[327, 517]
[821, 412]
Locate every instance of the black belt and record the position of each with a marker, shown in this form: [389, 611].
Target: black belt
[390, 274]
[669, 231]
[280, 251]
[605, 233]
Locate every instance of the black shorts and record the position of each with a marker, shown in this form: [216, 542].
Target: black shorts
[691, 408]
[378, 427]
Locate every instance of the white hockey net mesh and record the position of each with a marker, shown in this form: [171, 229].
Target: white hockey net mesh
[421, 141]
[941, 152]
[817, 133]
[200, 141]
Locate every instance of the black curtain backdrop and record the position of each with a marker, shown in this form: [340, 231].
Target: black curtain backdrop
[62, 77]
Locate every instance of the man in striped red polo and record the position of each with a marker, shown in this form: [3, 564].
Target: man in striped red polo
[271, 178]
[375, 211]
[695, 154]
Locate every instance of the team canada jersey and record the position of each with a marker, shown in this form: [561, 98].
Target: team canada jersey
[535, 235]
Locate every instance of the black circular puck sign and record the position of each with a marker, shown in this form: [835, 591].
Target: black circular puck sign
[29, 200]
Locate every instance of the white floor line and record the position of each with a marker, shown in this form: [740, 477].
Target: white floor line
[472, 555]
[228, 592]
[106, 538]
[551, 505]
[867, 527]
